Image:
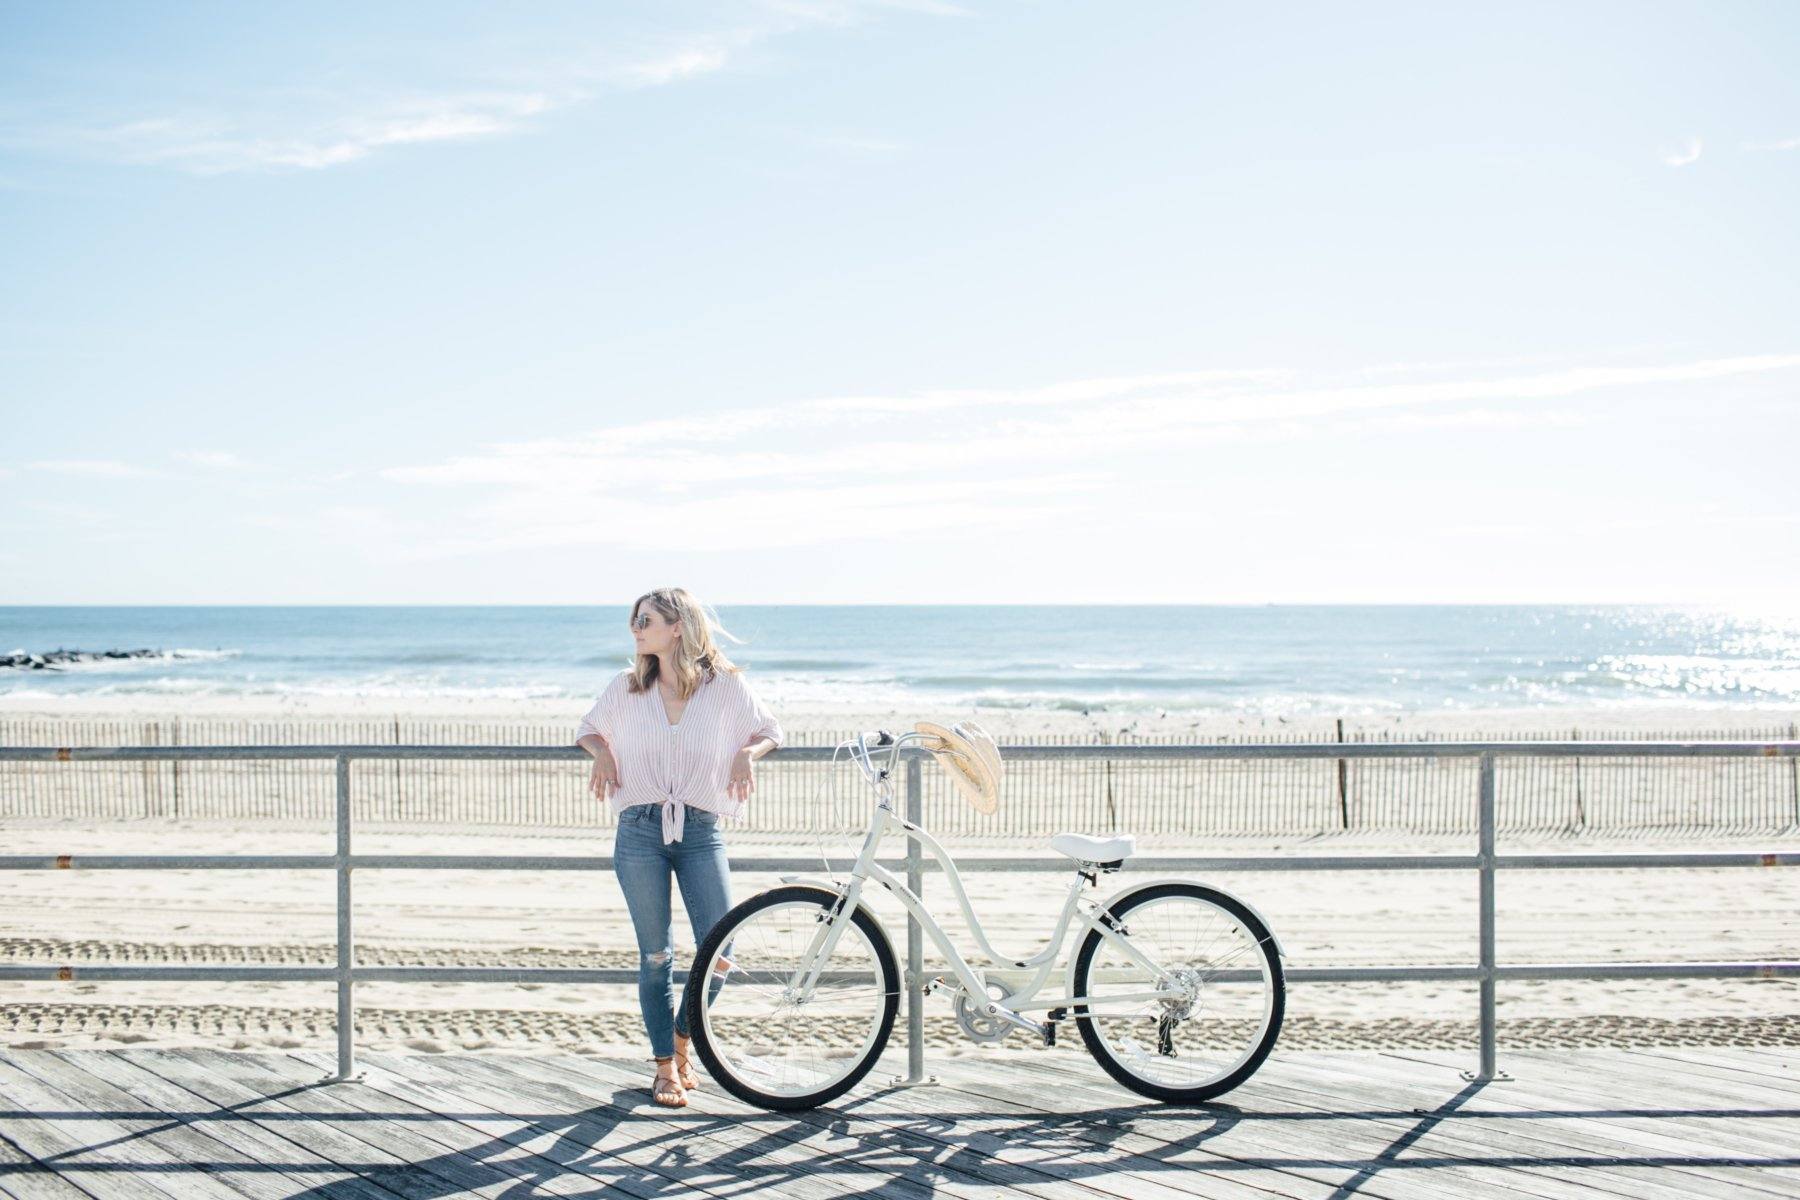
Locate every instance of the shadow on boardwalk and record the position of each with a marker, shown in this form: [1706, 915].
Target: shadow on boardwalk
[437, 1127]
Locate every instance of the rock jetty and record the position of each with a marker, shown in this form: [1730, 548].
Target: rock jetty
[55, 660]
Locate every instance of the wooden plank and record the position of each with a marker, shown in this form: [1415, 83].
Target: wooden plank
[1045, 1124]
[953, 1157]
[1114, 1167]
[1765, 1074]
[1697, 1082]
[450, 1152]
[1688, 1159]
[866, 1115]
[1776, 1061]
[240, 1133]
[1266, 1125]
[1119, 1125]
[1262, 1128]
[196, 1150]
[654, 1148]
[374, 1164]
[1698, 1087]
[680, 1150]
[777, 1152]
[956, 1165]
[1511, 1153]
[1572, 1145]
[1340, 1144]
[1611, 1081]
[22, 1177]
[99, 1155]
[1748, 1182]
[1444, 1140]
[1779, 1061]
[751, 1128]
[1113, 1170]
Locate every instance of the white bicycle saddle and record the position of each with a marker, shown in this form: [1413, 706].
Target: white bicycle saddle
[1082, 848]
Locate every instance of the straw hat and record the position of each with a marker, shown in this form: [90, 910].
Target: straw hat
[971, 759]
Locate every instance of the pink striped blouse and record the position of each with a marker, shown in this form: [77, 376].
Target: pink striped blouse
[688, 763]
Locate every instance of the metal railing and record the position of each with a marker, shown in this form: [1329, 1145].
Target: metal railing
[1619, 798]
[1486, 861]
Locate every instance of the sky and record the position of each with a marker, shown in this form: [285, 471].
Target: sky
[909, 302]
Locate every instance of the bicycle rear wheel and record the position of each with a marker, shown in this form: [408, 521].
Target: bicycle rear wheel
[761, 1035]
[1230, 994]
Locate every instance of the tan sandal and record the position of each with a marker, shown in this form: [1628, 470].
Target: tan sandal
[666, 1090]
[684, 1071]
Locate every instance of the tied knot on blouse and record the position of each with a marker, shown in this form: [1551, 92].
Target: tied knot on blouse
[682, 765]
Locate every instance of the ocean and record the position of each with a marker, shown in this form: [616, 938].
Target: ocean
[1252, 660]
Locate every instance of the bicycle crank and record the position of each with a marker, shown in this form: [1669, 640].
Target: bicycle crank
[990, 1022]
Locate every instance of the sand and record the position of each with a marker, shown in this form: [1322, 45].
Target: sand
[578, 919]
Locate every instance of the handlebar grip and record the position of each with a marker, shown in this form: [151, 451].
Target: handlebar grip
[878, 738]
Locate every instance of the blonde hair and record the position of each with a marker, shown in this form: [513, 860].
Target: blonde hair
[697, 657]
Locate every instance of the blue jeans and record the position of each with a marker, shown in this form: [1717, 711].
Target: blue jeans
[643, 865]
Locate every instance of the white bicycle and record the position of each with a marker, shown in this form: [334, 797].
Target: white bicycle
[1176, 987]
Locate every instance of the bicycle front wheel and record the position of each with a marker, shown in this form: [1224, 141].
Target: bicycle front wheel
[766, 1036]
[1222, 995]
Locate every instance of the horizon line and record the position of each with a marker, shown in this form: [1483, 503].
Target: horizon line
[920, 604]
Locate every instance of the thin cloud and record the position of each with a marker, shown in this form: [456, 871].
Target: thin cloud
[683, 64]
[1687, 152]
[210, 469]
[1783, 144]
[771, 516]
[215, 459]
[1655, 522]
[207, 145]
[262, 135]
[1482, 418]
[94, 468]
[806, 472]
[845, 12]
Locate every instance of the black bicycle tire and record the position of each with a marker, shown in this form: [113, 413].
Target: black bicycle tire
[884, 956]
[1097, 1047]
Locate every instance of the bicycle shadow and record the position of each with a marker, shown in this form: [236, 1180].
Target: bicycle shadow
[869, 1153]
[1225, 1139]
[612, 1140]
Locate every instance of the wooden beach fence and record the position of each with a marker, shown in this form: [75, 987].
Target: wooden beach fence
[1192, 798]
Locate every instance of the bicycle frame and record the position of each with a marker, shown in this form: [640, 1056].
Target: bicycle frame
[1024, 977]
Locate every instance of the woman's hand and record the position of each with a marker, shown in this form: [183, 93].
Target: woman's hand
[603, 778]
[743, 777]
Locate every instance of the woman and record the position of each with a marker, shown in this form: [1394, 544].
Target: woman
[672, 738]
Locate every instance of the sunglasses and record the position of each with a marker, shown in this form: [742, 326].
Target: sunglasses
[641, 621]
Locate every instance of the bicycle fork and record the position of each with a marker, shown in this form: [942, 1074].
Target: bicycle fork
[827, 930]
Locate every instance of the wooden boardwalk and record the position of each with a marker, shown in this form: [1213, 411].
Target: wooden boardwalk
[1649, 1124]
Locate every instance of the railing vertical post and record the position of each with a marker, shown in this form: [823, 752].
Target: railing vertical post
[1486, 855]
[1343, 782]
[1794, 775]
[915, 933]
[346, 948]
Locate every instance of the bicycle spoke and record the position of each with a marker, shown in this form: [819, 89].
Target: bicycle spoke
[766, 1032]
[1212, 1026]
